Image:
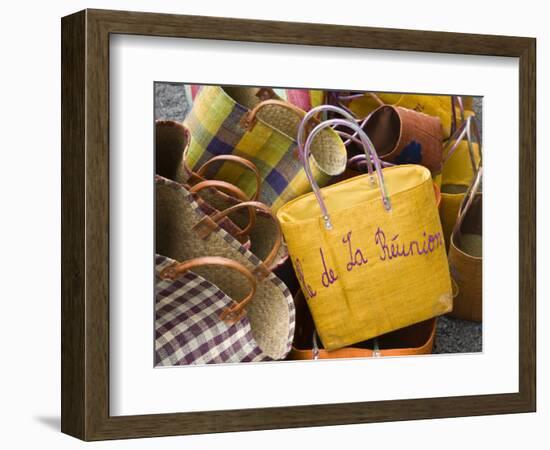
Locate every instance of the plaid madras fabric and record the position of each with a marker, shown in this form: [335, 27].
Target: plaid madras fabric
[187, 327]
[215, 130]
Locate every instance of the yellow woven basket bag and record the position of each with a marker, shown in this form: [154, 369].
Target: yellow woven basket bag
[236, 121]
[461, 159]
[368, 251]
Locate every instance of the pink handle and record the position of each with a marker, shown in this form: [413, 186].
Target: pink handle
[465, 129]
[468, 200]
[369, 151]
[454, 100]
[353, 137]
[358, 162]
[335, 98]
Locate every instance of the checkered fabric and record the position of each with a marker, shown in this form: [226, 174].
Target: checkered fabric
[214, 124]
[187, 325]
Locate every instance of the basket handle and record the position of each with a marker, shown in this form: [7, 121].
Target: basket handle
[208, 224]
[238, 160]
[370, 151]
[468, 200]
[221, 185]
[358, 162]
[234, 190]
[317, 111]
[230, 314]
[465, 129]
[456, 99]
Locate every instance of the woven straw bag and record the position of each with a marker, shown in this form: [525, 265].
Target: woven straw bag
[233, 120]
[262, 235]
[357, 165]
[381, 232]
[183, 232]
[462, 157]
[304, 99]
[189, 316]
[466, 256]
[171, 145]
[259, 227]
[416, 339]
[172, 142]
[405, 136]
[440, 106]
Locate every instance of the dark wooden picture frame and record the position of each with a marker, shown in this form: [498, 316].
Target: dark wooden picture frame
[85, 224]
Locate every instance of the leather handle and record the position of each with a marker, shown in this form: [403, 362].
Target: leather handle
[234, 190]
[262, 271]
[238, 160]
[221, 185]
[230, 314]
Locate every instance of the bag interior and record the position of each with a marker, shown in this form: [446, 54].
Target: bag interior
[469, 240]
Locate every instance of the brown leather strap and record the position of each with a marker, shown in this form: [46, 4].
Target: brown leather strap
[221, 185]
[230, 314]
[218, 184]
[238, 160]
[263, 270]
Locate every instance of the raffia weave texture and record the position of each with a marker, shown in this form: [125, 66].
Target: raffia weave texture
[215, 123]
[375, 271]
[271, 311]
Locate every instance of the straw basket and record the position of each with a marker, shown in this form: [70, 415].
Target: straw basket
[466, 257]
[235, 120]
[405, 136]
[183, 232]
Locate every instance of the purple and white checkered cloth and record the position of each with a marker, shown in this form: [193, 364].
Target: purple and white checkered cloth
[187, 325]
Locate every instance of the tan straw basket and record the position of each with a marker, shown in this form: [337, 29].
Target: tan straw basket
[466, 257]
[183, 232]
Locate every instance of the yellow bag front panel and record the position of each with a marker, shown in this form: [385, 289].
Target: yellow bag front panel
[375, 271]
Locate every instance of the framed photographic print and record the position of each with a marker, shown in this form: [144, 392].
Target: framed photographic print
[270, 224]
